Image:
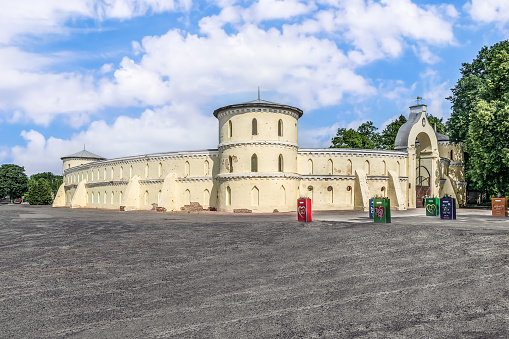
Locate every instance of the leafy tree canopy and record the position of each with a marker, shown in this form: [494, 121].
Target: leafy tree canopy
[364, 137]
[480, 101]
[54, 180]
[39, 192]
[388, 135]
[13, 181]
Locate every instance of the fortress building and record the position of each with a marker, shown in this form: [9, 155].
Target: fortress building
[259, 167]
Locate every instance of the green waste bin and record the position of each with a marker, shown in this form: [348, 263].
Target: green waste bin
[432, 207]
[382, 210]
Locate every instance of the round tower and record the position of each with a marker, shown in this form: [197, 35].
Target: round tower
[79, 158]
[258, 157]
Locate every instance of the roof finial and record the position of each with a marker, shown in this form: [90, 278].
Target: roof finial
[83, 146]
[258, 93]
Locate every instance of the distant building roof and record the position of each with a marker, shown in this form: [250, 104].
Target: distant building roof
[84, 154]
[441, 137]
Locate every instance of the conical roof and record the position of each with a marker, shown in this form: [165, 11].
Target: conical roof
[84, 154]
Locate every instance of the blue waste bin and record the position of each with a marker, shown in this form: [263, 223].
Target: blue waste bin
[447, 208]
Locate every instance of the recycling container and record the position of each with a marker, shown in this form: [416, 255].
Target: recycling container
[371, 209]
[304, 210]
[447, 208]
[432, 206]
[382, 210]
[499, 207]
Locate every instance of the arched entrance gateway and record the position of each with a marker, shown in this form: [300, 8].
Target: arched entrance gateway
[418, 138]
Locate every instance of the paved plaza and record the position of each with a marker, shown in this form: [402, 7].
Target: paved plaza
[86, 273]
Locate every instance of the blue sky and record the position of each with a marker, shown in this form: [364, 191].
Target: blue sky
[128, 77]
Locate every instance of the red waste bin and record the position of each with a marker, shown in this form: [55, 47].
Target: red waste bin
[304, 210]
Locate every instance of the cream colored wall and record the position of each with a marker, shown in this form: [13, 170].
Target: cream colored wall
[109, 178]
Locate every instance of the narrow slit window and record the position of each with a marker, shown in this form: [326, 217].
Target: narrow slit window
[254, 127]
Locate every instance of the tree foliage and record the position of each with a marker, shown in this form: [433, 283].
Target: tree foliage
[39, 192]
[54, 180]
[13, 181]
[388, 135]
[480, 101]
[364, 137]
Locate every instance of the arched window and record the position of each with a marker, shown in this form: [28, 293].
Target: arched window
[121, 172]
[98, 175]
[397, 168]
[384, 167]
[280, 163]
[187, 169]
[230, 128]
[255, 196]
[111, 198]
[451, 155]
[349, 167]
[206, 168]
[280, 128]
[120, 198]
[146, 198]
[254, 127]
[206, 198]
[92, 175]
[98, 197]
[254, 163]
[130, 171]
[104, 177]
[105, 197]
[228, 196]
[112, 173]
[160, 170]
[187, 197]
[146, 170]
[159, 196]
[310, 166]
[92, 196]
[230, 164]
[366, 167]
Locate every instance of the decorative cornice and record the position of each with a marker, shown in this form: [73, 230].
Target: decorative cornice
[311, 177]
[351, 152]
[193, 179]
[403, 178]
[144, 158]
[243, 176]
[151, 181]
[377, 177]
[258, 107]
[106, 183]
[262, 143]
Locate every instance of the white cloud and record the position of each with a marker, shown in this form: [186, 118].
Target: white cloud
[170, 128]
[435, 92]
[489, 10]
[318, 137]
[49, 17]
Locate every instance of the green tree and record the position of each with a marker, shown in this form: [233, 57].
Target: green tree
[388, 135]
[364, 137]
[13, 181]
[54, 180]
[489, 151]
[39, 192]
[480, 101]
[437, 123]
